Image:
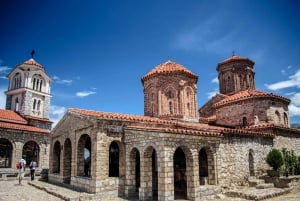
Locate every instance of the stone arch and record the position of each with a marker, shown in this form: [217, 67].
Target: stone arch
[251, 162]
[56, 157]
[31, 152]
[6, 150]
[149, 173]
[84, 152]
[207, 174]
[67, 161]
[133, 173]
[183, 172]
[170, 99]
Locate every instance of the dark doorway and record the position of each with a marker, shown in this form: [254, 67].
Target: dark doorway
[180, 185]
[56, 157]
[5, 153]
[203, 166]
[114, 152]
[137, 172]
[154, 176]
[31, 152]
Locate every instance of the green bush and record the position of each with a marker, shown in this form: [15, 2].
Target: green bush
[275, 159]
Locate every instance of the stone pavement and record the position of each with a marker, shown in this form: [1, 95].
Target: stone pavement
[38, 190]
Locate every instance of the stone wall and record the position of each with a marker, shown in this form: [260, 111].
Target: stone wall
[289, 141]
[233, 158]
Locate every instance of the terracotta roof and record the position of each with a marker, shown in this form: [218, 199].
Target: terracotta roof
[37, 118]
[22, 127]
[167, 68]
[170, 126]
[235, 58]
[33, 62]
[208, 119]
[248, 94]
[178, 131]
[109, 115]
[11, 116]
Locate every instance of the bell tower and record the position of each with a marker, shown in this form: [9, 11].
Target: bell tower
[29, 93]
[235, 74]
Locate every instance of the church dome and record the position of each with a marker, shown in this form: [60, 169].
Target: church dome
[169, 67]
[233, 59]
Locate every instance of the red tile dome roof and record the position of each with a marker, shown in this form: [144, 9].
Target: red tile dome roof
[248, 94]
[235, 58]
[167, 68]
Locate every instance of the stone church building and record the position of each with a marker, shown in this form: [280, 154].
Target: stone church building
[175, 150]
[24, 124]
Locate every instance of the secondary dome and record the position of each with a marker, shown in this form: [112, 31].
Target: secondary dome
[168, 67]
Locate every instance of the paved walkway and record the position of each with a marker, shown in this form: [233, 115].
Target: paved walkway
[39, 190]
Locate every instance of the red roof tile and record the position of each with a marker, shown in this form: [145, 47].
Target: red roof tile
[235, 58]
[22, 127]
[167, 68]
[170, 126]
[248, 94]
[33, 62]
[11, 116]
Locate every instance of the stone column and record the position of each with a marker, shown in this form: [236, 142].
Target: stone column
[193, 176]
[165, 175]
[145, 191]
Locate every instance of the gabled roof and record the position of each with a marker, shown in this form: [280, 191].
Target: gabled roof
[11, 116]
[167, 68]
[12, 120]
[249, 94]
[32, 62]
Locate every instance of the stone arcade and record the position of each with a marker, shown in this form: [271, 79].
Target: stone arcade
[172, 152]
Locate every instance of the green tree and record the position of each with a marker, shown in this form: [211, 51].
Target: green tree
[275, 159]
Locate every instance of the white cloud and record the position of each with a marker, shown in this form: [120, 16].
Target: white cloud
[294, 110]
[57, 80]
[212, 93]
[293, 81]
[56, 113]
[4, 69]
[2, 97]
[215, 80]
[82, 94]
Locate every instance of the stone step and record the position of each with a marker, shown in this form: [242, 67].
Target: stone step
[255, 182]
[257, 194]
[263, 186]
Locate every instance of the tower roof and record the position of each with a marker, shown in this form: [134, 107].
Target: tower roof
[235, 58]
[167, 68]
[31, 61]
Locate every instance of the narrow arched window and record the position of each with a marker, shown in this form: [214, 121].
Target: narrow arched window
[41, 83]
[38, 105]
[34, 105]
[17, 105]
[170, 107]
[33, 85]
[245, 123]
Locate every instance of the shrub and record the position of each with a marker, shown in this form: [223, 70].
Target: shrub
[275, 159]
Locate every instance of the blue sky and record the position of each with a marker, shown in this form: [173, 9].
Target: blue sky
[97, 51]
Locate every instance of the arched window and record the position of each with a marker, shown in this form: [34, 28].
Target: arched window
[34, 105]
[37, 82]
[38, 105]
[17, 81]
[277, 117]
[16, 104]
[286, 119]
[170, 107]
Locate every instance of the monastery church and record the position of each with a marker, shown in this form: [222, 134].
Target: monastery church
[175, 151]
